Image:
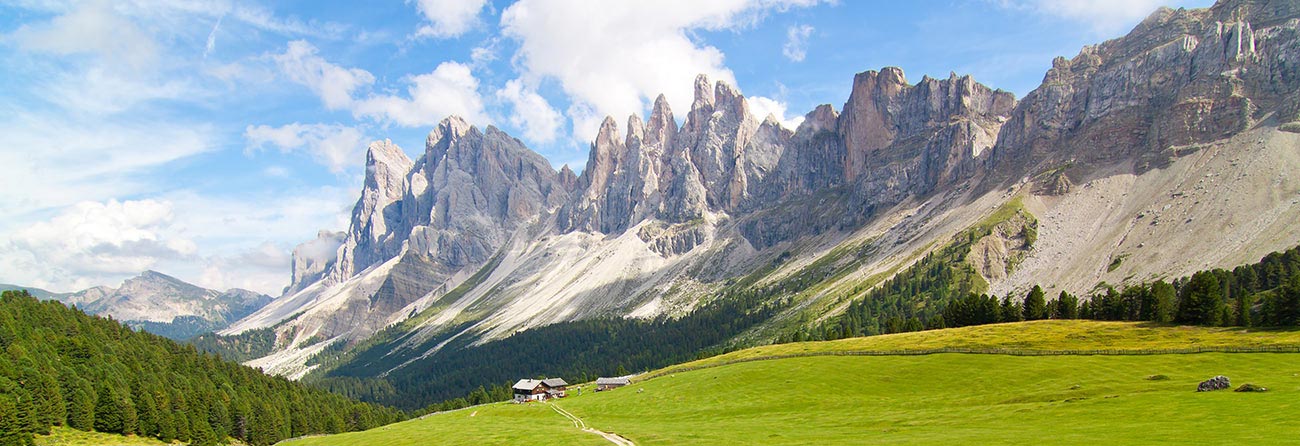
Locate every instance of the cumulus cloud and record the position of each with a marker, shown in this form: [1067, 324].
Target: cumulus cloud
[448, 18]
[91, 241]
[332, 145]
[332, 83]
[762, 107]
[541, 123]
[451, 89]
[1103, 16]
[796, 42]
[616, 58]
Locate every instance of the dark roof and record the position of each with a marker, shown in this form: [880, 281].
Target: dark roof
[554, 382]
[616, 381]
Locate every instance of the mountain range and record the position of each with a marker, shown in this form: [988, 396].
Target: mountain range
[1167, 151]
[161, 304]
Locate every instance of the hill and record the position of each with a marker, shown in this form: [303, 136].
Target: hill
[61, 367]
[160, 304]
[927, 399]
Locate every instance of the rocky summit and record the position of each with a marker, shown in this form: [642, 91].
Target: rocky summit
[1111, 163]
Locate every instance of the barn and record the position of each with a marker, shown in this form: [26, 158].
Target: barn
[611, 383]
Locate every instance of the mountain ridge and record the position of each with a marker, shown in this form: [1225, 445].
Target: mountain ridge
[664, 217]
[162, 304]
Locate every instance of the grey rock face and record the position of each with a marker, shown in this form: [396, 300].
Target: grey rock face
[901, 138]
[1181, 77]
[472, 189]
[159, 299]
[376, 233]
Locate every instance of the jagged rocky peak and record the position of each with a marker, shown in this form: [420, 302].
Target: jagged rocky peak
[376, 230]
[567, 178]
[449, 130]
[605, 156]
[824, 118]
[660, 128]
[1180, 77]
[885, 118]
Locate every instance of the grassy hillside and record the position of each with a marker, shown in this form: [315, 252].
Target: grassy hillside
[930, 399]
[1044, 335]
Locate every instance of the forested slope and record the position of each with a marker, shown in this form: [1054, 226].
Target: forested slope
[59, 366]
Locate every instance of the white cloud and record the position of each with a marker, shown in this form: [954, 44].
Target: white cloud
[263, 268]
[761, 107]
[91, 242]
[451, 89]
[448, 18]
[1103, 16]
[615, 57]
[540, 122]
[332, 83]
[796, 42]
[332, 145]
[91, 28]
[98, 90]
[77, 159]
[212, 38]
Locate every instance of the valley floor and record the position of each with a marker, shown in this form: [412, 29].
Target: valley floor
[948, 398]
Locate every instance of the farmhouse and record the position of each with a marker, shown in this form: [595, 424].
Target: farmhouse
[539, 389]
[555, 387]
[610, 383]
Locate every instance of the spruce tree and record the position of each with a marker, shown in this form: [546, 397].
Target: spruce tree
[1066, 306]
[1035, 305]
[1166, 302]
[110, 413]
[11, 430]
[1202, 302]
[81, 408]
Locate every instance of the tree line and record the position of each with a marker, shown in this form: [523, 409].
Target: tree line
[61, 367]
[1266, 293]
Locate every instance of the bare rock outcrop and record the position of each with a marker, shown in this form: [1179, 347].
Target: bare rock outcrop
[1180, 77]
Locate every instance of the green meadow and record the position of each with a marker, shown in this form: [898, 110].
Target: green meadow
[948, 398]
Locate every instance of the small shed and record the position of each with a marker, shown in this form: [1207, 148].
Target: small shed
[611, 383]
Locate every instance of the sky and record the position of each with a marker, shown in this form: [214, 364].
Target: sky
[206, 138]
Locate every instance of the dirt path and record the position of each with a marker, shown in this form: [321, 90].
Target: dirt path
[578, 423]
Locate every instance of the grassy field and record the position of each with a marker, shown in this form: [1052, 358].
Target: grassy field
[932, 399]
[63, 436]
[501, 423]
[1036, 335]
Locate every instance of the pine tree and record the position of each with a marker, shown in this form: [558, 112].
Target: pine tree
[110, 414]
[1286, 303]
[1202, 302]
[11, 430]
[81, 408]
[1066, 306]
[1035, 305]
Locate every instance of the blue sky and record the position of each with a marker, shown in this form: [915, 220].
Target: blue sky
[206, 138]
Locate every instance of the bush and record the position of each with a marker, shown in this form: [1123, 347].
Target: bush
[1248, 387]
[1157, 378]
